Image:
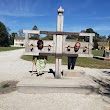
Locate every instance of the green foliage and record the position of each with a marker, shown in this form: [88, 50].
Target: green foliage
[90, 30]
[35, 27]
[5, 85]
[97, 52]
[50, 37]
[81, 61]
[95, 38]
[108, 39]
[4, 40]
[11, 39]
[9, 48]
[34, 36]
[93, 63]
[68, 37]
[20, 32]
[103, 38]
[72, 37]
[95, 45]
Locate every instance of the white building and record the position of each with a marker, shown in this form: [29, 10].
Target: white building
[19, 41]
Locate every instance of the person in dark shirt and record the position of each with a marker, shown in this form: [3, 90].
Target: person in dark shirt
[72, 60]
[104, 52]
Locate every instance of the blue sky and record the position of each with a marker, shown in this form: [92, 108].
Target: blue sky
[78, 14]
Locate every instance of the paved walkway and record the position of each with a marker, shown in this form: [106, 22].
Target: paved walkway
[14, 68]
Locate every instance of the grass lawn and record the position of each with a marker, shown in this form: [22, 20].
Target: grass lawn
[81, 61]
[9, 48]
[97, 52]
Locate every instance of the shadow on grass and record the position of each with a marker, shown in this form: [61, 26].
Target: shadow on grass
[98, 57]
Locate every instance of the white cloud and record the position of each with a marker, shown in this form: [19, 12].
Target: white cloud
[78, 5]
[19, 13]
[21, 8]
[99, 18]
[103, 28]
[75, 28]
[86, 3]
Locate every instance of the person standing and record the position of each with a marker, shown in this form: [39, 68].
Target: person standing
[72, 60]
[104, 52]
[40, 61]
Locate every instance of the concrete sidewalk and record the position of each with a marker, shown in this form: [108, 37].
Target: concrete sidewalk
[14, 68]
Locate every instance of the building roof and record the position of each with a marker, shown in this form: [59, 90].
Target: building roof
[103, 43]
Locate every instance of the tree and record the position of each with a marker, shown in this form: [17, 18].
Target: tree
[20, 32]
[96, 38]
[83, 31]
[48, 37]
[35, 28]
[12, 36]
[109, 41]
[103, 38]
[68, 37]
[4, 40]
[96, 45]
[90, 30]
[72, 37]
[108, 37]
[34, 36]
